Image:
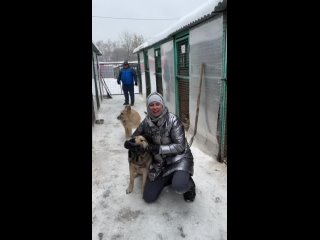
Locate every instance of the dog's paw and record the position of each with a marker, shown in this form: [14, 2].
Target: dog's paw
[128, 191]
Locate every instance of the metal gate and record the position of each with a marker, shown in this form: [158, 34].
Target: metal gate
[182, 79]
[157, 59]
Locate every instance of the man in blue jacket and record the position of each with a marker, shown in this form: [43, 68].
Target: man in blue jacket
[128, 77]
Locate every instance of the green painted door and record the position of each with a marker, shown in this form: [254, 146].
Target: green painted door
[147, 72]
[157, 60]
[182, 79]
[222, 121]
[139, 74]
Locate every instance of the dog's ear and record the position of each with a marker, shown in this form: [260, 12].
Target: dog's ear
[128, 108]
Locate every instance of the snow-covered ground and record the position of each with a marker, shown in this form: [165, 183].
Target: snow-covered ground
[117, 215]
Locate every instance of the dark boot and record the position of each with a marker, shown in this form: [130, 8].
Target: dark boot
[190, 195]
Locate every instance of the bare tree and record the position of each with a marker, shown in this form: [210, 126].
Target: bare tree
[129, 42]
[106, 49]
[120, 50]
[119, 54]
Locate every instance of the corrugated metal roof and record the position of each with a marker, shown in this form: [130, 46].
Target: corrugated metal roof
[94, 48]
[204, 12]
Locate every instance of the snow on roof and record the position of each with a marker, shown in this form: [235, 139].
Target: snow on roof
[204, 10]
[96, 49]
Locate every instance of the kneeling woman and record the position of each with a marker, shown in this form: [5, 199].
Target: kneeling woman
[173, 160]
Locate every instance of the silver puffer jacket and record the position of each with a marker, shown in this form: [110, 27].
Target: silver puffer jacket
[168, 132]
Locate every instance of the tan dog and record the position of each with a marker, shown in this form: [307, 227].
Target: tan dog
[139, 163]
[130, 119]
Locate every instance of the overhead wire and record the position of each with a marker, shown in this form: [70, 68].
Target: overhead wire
[142, 19]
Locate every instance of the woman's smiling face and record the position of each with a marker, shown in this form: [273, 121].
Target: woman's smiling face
[156, 108]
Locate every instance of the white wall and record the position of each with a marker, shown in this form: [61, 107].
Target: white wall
[206, 47]
[94, 99]
[168, 77]
[143, 75]
[152, 70]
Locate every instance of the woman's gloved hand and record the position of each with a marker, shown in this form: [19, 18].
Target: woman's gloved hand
[131, 145]
[154, 148]
[155, 171]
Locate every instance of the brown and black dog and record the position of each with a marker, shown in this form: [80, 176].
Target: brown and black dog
[130, 119]
[139, 163]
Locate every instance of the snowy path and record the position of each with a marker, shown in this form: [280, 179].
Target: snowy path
[117, 215]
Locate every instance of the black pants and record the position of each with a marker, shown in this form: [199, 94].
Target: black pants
[180, 181]
[128, 89]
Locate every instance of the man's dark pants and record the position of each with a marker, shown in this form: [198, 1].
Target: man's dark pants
[128, 89]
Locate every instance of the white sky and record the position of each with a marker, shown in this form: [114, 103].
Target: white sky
[106, 28]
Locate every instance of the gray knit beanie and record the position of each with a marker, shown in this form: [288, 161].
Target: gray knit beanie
[155, 98]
